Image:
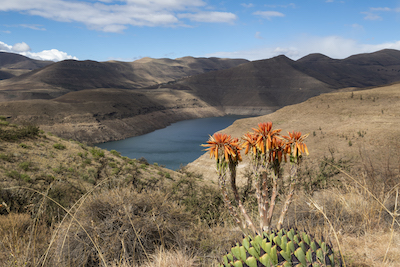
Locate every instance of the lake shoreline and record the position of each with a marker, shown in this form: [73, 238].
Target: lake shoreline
[175, 145]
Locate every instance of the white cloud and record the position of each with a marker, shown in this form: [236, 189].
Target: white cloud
[5, 47]
[371, 16]
[332, 46]
[357, 26]
[115, 16]
[51, 55]
[33, 27]
[372, 13]
[20, 47]
[380, 9]
[258, 35]
[268, 14]
[247, 5]
[25, 50]
[210, 17]
[292, 5]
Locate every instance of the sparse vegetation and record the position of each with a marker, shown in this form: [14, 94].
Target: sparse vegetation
[138, 217]
[59, 146]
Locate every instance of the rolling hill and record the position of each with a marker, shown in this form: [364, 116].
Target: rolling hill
[15, 64]
[71, 75]
[102, 101]
[274, 83]
[361, 127]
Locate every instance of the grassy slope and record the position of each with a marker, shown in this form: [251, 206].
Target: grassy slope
[355, 215]
[170, 209]
[351, 124]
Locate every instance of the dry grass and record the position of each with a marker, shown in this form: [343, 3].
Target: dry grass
[148, 229]
[362, 214]
[163, 258]
[126, 227]
[22, 242]
[138, 217]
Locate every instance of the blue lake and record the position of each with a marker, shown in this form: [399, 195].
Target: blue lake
[173, 146]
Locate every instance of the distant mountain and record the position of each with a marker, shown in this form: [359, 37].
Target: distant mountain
[261, 86]
[363, 70]
[101, 101]
[15, 64]
[269, 84]
[71, 75]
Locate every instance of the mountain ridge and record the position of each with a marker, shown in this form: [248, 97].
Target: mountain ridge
[85, 96]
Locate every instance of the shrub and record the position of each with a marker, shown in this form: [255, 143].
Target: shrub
[18, 176]
[24, 145]
[29, 131]
[25, 165]
[129, 225]
[8, 157]
[59, 146]
[115, 153]
[97, 152]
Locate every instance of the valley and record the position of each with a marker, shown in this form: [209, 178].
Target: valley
[96, 102]
[349, 109]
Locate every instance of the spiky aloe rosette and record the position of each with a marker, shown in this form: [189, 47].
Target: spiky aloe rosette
[280, 248]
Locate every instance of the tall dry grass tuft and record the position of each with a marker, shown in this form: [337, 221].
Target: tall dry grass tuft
[177, 258]
[22, 242]
[127, 226]
[362, 212]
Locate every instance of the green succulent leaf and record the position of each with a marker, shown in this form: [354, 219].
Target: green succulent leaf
[279, 249]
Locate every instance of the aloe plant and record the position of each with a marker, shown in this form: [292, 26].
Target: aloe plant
[268, 151]
[280, 248]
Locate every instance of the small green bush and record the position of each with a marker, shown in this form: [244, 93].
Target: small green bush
[97, 152]
[115, 171]
[5, 157]
[59, 146]
[24, 146]
[87, 161]
[112, 164]
[18, 176]
[26, 165]
[143, 166]
[115, 153]
[29, 131]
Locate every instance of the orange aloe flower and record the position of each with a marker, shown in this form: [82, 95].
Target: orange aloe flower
[266, 137]
[278, 151]
[295, 144]
[250, 140]
[222, 145]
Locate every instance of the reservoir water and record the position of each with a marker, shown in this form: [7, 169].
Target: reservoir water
[173, 146]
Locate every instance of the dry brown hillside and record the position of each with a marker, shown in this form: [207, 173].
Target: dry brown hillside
[101, 115]
[72, 75]
[15, 64]
[350, 124]
[263, 86]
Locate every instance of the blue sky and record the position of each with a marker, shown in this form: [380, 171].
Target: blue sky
[128, 30]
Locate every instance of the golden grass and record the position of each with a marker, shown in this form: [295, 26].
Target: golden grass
[140, 218]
